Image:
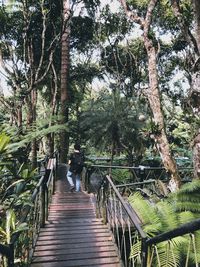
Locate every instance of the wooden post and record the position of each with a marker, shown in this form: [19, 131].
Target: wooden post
[104, 202]
[11, 256]
[144, 252]
[43, 198]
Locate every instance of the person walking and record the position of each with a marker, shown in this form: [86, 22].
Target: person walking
[76, 163]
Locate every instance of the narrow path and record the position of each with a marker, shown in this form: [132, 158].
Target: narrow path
[73, 237]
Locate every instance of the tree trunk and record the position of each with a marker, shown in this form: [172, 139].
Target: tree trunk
[64, 136]
[196, 156]
[34, 146]
[153, 94]
[196, 4]
[19, 118]
[195, 88]
[195, 103]
[155, 105]
[49, 144]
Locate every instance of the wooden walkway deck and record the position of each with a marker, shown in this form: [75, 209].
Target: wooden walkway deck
[73, 237]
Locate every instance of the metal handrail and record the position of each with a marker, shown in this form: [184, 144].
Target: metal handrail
[143, 173]
[127, 167]
[35, 215]
[186, 228]
[188, 231]
[132, 215]
[121, 219]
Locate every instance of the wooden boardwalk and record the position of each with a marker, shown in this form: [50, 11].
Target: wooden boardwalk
[73, 236]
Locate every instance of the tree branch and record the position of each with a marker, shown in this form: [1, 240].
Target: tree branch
[149, 13]
[131, 14]
[184, 26]
[44, 27]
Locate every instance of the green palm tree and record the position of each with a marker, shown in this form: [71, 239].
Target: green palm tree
[111, 123]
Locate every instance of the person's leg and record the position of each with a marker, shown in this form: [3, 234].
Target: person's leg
[70, 179]
[78, 182]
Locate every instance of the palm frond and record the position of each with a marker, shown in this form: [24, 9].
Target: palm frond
[165, 254]
[146, 212]
[167, 215]
[188, 206]
[191, 187]
[136, 249]
[35, 134]
[186, 216]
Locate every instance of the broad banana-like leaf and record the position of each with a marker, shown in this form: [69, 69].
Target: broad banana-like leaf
[21, 227]
[14, 184]
[2, 232]
[10, 224]
[4, 141]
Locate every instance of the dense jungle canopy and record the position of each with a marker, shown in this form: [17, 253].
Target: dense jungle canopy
[122, 78]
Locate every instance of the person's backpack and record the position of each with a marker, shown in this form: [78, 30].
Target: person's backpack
[77, 162]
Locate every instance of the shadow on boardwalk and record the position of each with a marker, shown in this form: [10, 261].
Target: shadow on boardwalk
[72, 235]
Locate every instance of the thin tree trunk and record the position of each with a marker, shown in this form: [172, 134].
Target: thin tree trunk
[34, 142]
[196, 4]
[195, 89]
[155, 105]
[19, 118]
[196, 156]
[64, 137]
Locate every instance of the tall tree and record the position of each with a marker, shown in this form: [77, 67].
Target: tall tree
[64, 95]
[152, 92]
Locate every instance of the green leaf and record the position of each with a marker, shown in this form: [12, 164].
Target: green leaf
[10, 224]
[4, 141]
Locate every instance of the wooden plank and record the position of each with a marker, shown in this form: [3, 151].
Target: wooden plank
[74, 240]
[73, 236]
[71, 221]
[106, 262]
[54, 227]
[70, 251]
[77, 262]
[66, 257]
[71, 246]
[69, 231]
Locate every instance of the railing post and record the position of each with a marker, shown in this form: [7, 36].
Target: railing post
[104, 202]
[86, 178]
[87, 171]
[11, 256]
[144, 252]
[43, 206]
[46, 202]
[55, 172]
[44, 198]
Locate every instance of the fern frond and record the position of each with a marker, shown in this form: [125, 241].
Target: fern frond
[167, 215]
[188, 206]
[191, 187]
[167, 255]
[135, 249]
[186, 216]
[146, 212]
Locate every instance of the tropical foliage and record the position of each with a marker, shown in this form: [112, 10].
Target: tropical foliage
[17, 182]
[161, 216]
